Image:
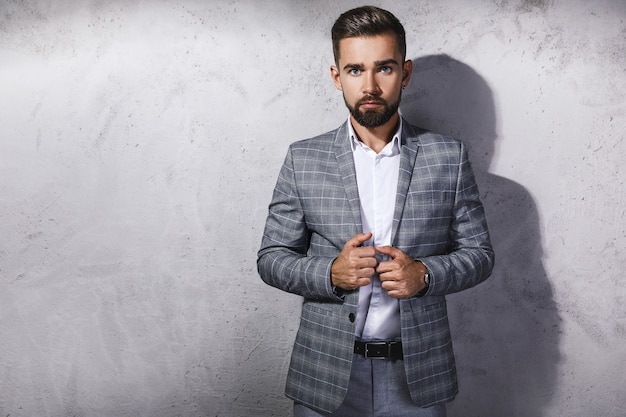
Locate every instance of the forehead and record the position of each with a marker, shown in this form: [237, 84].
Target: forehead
[369, 49]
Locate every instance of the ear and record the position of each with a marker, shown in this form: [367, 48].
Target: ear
[407, 69]
[334, 74]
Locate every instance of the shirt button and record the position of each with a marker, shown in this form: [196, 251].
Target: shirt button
[351, 317]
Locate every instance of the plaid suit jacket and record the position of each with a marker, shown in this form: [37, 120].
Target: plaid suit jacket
[438, 219]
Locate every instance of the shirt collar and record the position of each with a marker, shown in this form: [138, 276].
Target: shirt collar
[396, 140]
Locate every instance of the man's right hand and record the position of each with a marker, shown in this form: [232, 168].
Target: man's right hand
[355, 264]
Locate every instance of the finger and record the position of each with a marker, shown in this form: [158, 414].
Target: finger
[362, 282]
[390, 285]
[384, 268]
[387, 266]
[390, 251]
[358, 282]
[389, 276]
[396, 294]
[385, 276]
[368, 262]
[364, 252]
[358, 240]
[395, 290]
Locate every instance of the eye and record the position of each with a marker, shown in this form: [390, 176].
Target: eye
[354, 71]
[385, 70]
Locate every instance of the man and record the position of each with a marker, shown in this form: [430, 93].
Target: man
[374, 223]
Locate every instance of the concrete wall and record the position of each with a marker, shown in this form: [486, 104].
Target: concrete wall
[140, 142]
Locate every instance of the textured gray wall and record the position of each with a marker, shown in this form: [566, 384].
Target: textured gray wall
[139, 144]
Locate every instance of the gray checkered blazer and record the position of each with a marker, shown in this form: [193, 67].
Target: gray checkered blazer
[438, 219]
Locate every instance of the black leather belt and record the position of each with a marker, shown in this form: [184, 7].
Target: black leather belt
[391, 350]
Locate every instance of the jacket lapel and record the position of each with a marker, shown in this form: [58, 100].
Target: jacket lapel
[347, 171]
[408, 154]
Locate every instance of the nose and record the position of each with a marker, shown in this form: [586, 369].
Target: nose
[371, 86]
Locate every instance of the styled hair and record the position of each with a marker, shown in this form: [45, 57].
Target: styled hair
[367, 21]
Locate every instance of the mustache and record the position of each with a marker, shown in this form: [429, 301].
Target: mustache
[371, 99]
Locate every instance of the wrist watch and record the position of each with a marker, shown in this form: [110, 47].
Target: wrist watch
[425, 289]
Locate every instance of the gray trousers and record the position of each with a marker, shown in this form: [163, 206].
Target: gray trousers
[377, 389]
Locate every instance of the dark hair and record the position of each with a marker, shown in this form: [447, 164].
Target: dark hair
[367, 21]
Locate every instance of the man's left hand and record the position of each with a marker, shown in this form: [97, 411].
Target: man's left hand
[402, 276]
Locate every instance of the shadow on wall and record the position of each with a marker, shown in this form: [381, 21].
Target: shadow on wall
[506, 331]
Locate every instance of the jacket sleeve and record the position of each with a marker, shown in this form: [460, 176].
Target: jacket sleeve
[283, 261]
[470, 257]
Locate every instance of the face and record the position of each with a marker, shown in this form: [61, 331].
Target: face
[371, 74]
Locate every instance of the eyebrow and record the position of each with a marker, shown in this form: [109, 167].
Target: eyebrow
[376, 63]
[386, 62]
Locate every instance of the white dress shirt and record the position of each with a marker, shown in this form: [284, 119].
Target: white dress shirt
[378, 316]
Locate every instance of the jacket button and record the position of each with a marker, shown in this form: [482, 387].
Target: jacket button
[351, 317]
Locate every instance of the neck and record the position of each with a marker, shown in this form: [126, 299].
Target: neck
[376, 138]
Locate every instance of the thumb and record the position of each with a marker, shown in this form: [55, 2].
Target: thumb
[359, 239]
[389, 251]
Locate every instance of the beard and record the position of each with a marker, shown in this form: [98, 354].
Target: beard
[373, 118]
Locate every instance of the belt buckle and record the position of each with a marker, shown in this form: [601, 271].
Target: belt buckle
[378, 355]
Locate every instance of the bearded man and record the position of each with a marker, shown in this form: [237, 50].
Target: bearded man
[373, 224]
